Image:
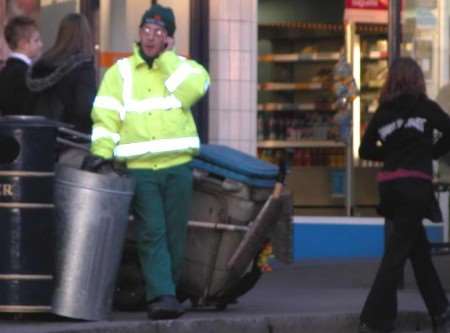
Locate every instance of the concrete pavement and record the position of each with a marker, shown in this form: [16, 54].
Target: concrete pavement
[306, 297]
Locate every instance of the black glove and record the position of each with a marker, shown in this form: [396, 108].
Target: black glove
[97, 164]
[119, 168]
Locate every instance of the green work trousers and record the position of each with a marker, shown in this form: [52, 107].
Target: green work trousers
[162, 204]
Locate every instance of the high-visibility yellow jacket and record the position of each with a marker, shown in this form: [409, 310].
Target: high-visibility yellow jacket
[142, 115]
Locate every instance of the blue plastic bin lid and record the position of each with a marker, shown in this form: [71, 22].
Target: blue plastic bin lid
[234, 164]
[224, 173]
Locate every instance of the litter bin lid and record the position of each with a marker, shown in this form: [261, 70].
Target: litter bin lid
[28, 121]
[234, 164]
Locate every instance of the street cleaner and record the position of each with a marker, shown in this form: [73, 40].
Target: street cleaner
[141, 115]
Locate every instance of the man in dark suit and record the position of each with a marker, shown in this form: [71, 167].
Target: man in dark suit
[24, 40]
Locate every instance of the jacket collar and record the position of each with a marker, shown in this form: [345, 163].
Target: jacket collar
[137, 60]
[21, 56]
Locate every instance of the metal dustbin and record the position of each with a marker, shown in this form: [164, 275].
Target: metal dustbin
[91, 223]
[27, 145]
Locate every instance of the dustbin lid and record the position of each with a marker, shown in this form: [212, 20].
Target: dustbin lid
[28, 121]
[234, 164]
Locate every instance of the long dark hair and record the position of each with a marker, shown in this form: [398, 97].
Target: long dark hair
[404, 77]
[74, 37]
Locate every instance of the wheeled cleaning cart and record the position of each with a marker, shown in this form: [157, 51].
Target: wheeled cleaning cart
[231, 222]
[234, 214]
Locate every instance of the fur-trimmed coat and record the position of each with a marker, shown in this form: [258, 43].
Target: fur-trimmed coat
[64, 92]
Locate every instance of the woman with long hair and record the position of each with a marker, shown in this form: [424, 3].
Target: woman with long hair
[401, 135]
[64, 79]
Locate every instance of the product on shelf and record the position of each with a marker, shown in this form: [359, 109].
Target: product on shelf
[305, 157]
[300, 121]
[374, 75]
[290, 126]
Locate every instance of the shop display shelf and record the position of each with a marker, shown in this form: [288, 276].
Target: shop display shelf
[291, 86]
[297, 57]
[300, 144]
[313, 106]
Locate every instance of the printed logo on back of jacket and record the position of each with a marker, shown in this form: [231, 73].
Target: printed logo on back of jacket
[418, 123]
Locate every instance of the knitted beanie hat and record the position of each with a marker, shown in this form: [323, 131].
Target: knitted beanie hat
[160, 15]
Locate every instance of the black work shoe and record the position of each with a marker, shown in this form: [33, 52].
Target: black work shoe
[164, 307]
[364, 328]
[441, 323]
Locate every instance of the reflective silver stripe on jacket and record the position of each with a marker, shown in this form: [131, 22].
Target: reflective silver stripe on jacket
[180, 74]
[154, 103]
[156, 146]
[110, 103]
[101, 132]
[127, 88]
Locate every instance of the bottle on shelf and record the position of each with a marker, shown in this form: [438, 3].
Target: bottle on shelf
[290, 129]
[272, 135]
[280, 128]
[298, 128]
[306, 157]
[260, 127]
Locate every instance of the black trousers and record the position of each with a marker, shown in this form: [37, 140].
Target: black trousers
[406, 202]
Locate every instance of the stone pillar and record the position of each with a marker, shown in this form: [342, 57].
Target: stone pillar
[233, 70]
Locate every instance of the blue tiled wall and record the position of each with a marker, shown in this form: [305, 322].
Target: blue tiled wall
[334, 240]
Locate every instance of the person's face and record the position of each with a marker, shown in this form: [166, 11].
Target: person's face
[33, 46]
[153, 39]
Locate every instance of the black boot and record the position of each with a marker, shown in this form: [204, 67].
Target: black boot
[364, 328]
[441, 323]
[164, 307]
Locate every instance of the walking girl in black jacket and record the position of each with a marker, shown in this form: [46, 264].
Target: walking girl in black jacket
[401, 134]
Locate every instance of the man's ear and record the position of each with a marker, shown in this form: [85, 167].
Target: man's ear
[170, 43]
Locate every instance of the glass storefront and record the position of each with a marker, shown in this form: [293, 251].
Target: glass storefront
[425, 37]
[296, 54]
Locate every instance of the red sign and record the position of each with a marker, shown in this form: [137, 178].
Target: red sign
[366, 11]
[367, 4]
[23, 7]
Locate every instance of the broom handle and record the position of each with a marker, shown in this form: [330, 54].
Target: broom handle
[74, 133]
[72, 144]
[279, 185]
[218, 226]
